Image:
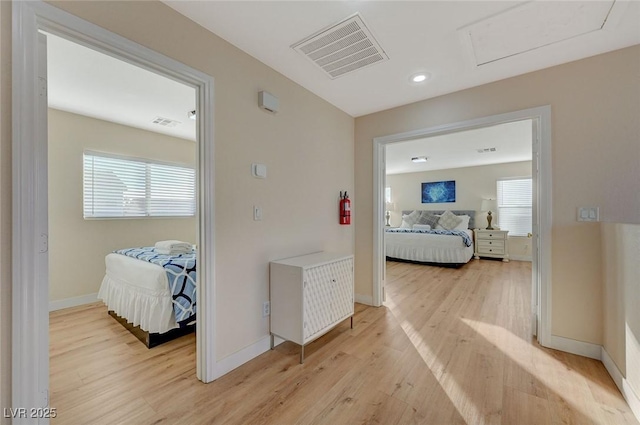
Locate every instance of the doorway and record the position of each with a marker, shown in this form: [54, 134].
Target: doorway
[541, 208]
[30, 352]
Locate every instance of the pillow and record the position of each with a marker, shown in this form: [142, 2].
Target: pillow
[421, 227]
[410, 219]
[464, 222]
[449, 220]
[405, 225]
[428, 218]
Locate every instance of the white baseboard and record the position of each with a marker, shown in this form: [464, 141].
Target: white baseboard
[612, 368]
[520, 258]
[623, 385]
[364, 299]
[239, 358]
[73, 302]
[632, 398]
[581, 348]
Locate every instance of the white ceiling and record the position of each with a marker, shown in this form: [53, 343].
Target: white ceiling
[511, 140]
[443, 38]
[86, 82]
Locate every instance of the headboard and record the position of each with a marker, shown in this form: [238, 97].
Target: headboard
[470, 213]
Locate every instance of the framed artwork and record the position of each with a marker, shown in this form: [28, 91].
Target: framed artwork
[438, 192]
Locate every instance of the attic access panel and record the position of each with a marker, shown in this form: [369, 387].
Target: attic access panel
[342, 48]
[533, 25]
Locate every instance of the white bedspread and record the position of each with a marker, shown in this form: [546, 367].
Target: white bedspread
[427, 248]
[138, 291]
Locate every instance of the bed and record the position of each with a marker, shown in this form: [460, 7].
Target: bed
[430, 243]
[151, 294]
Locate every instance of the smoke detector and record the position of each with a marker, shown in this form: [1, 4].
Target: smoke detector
[342, 48]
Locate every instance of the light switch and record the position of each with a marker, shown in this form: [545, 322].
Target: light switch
[588, 214]
[257, 213]
[259, 171]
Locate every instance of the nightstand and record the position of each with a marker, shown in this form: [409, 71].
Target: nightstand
[491, 243]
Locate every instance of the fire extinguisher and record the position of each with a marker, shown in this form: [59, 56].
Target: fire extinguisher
[345, 208]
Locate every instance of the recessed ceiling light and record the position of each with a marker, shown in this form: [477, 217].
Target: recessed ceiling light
[419, 159]
[419, 78]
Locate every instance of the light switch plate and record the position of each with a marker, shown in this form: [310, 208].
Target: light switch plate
[259, 171]
[588, 214]
[257, 213]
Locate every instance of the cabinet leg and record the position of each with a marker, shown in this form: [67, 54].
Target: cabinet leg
[301, 354]
[351, 322]
[272, 342]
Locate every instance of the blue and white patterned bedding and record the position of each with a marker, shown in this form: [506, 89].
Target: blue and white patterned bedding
[181, 273]
[466, 239]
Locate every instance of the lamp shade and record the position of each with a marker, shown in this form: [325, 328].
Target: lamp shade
[489, 205]
[390, 206]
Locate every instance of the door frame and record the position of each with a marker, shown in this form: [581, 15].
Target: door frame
[30, 283]
[541, 244]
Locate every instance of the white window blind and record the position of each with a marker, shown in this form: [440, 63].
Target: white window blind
[514, 205]
[123, 187]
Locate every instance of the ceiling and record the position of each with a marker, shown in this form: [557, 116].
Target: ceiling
[87, 82]
[512, 143]
[446, 39]
[460, 44]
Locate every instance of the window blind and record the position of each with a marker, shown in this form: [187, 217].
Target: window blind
[514, 205]
[123, 187]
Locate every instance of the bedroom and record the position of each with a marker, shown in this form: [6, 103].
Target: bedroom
[244, 134]
[119, 177]
[474, 163]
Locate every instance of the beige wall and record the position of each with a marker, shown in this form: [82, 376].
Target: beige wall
[307, 146]
[621, 276]
[74, 241]
[5, 206]
[595, 104]
[472, 185]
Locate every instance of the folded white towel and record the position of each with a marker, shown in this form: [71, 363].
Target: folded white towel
[173, 244]
[173, 247]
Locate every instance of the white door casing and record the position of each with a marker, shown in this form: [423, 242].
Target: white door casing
[30, 292]
[541, 117]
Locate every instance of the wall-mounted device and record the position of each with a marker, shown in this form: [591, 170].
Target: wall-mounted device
[268, 102]
[259, 171]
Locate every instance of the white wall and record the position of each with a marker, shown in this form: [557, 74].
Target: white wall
[77, 247]
[472, 185]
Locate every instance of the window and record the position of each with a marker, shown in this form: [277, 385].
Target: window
[125, 187]
[514, 205]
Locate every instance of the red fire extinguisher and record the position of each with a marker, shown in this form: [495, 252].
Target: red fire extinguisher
[345, 208]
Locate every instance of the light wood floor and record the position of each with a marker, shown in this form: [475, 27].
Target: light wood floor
[452, 347]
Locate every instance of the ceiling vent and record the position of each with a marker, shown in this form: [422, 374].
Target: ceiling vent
[165, 122]
[342, 48]
[485, 150]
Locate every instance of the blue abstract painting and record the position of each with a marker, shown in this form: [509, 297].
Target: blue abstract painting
[437, 192]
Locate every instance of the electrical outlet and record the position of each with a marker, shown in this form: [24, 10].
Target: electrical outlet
[266, 309]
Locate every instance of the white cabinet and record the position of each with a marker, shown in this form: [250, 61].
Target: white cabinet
[492, 243]
[310, 295]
